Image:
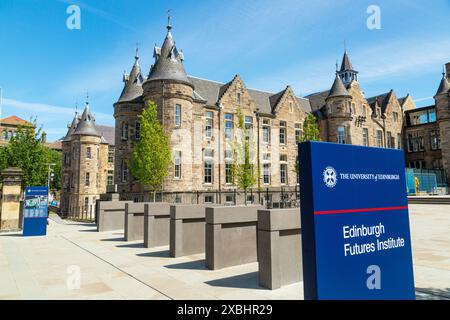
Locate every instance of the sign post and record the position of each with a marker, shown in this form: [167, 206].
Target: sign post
[35, 211]
[355, 227]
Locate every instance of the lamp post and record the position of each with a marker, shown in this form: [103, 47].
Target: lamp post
[49, 177]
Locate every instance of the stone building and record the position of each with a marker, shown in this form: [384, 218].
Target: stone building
[427, 131]
[88, 165]
[9, 126]
[346, 115]
[200, 117]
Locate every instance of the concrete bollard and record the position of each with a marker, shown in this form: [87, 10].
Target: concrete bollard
[231, 236]
[187, 229]
[279, 245]
[134, 221]
[110, 215]
[156, 224]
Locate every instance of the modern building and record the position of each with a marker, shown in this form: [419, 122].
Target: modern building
[9, 126]
[427, 131]
[88, 165]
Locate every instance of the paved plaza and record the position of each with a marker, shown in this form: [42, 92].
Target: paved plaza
[109, 268]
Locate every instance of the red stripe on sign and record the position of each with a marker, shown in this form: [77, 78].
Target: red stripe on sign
[361, 210]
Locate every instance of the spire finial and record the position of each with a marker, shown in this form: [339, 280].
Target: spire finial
[87, 97]
[137, 51]
[76, 106]
[169, 26]
[337, 66]
[345, 46]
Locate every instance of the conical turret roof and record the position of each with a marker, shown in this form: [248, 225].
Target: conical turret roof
[72, 127]
[86, 126]
[338, 89]
[346, 64]
[133, 83]
[444, 86]
[169, 62]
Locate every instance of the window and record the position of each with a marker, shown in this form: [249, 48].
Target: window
[379, 138]
[395, 116]
[341, 135]
[266, 156]
[124, 133]
[177, 164]
[124, 171]
[86, 204]
[229, 126]
[87, 181]
[283, 173]
[435, 139]
[364, 110]
[137, 133]
[378, 112]
[266, 173]
[209, 199]
[366, 137]
[229, 173]
[298, 132]
[177, 115]
[283, 157]
[88, 153]
[415, 142]
[110, 178]
[228, 154]
[238, 98]
[399, 141]
[248, 122]
[390, 142]
[410, 142]
[291, 107]
[282, 132]
[208, 166]
[352, 107]
[208, 124]
[266, 131]
[110, 156]
[229, 198]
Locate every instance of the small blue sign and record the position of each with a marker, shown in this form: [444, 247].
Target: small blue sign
[356, 241]
[35, 211]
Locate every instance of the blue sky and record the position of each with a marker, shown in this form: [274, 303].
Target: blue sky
[46, 68]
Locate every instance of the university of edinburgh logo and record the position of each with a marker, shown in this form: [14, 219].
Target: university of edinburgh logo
[330, 177]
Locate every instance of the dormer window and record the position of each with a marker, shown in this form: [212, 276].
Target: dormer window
[378, 112]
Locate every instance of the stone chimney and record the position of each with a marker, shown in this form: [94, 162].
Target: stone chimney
[44, 137]
[447, 70]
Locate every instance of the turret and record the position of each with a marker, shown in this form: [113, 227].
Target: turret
[347, 73]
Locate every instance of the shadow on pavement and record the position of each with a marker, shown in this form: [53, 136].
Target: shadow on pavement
[131, 245]
[243, 281]
[156, 254]
[193, 265]
[114, 239]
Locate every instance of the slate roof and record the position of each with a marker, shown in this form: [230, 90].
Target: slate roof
[383, 100]
[133, 83]
[169, 62]
[444, 86]
[108, 134]
[211, 91]
[338, 89]
[86, 125]
[346, 64]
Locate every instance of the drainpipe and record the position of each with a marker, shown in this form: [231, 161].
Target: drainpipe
[220, 154]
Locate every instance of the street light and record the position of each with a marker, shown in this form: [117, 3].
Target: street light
[49, 176]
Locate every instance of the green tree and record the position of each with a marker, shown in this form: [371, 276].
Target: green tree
[310, 129]
[26, 151]
[243, 154]
[310, 133]
[151, 155]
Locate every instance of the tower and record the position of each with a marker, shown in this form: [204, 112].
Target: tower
[347, 73]
[339, 114]
[442, 101]
[126, 111]
[170, 88]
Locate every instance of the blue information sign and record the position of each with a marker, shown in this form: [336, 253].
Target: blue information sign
[355, 226]
[35, 211]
